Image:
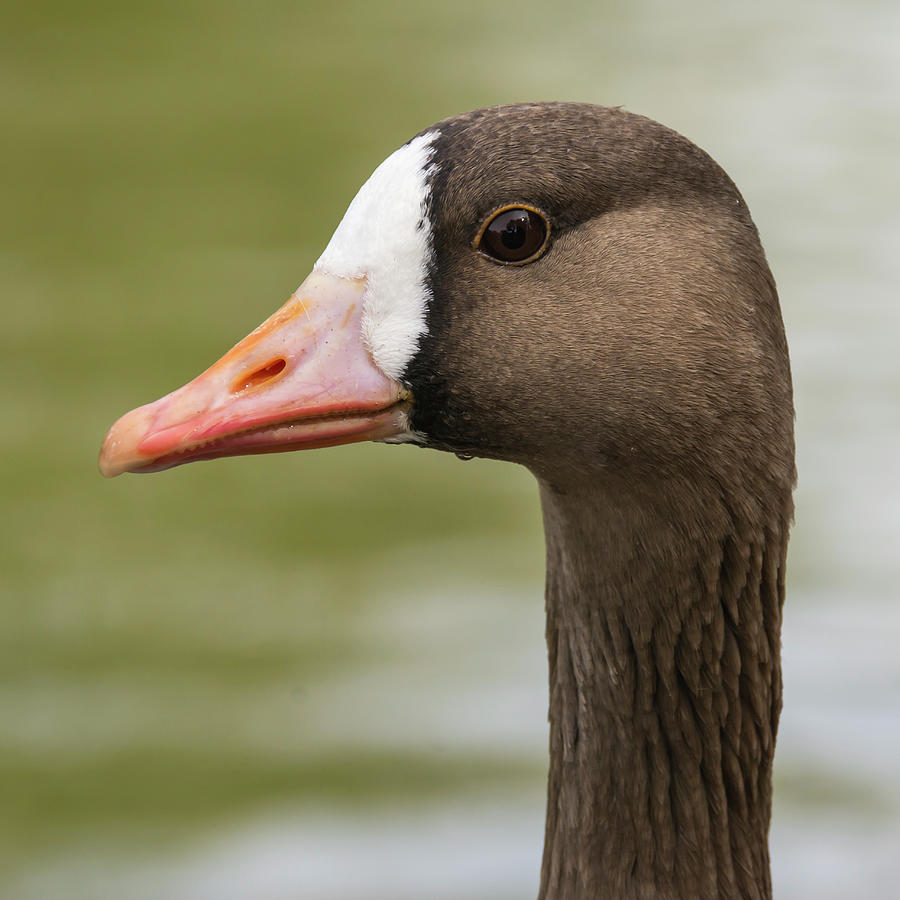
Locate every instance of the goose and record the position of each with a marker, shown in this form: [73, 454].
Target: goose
[582, 291]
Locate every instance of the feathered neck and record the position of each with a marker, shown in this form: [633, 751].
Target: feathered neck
[663, 630]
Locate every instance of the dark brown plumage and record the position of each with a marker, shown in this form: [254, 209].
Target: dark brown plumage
[639, 369]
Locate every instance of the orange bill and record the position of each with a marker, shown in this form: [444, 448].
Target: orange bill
[303, 379]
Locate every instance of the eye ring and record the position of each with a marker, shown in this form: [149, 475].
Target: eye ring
[516, 240]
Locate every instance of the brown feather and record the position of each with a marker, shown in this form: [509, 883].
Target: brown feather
[639, 369]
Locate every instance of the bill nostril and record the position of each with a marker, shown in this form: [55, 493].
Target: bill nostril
[258, 377]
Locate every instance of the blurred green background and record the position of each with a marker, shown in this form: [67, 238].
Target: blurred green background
[322, 675]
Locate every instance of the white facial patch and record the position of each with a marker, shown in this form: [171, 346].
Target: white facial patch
[385, 236]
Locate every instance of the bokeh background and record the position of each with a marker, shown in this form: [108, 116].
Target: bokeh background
[323, 675]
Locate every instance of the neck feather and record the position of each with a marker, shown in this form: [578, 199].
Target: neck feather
[663, 630]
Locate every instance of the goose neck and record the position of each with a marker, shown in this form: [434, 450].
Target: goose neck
[663, 631]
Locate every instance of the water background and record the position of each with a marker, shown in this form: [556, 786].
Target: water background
[322, 676]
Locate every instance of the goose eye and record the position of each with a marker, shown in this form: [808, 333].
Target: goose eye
[514, 234]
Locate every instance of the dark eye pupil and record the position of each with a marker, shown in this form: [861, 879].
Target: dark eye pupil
[516, 234]
[513, 235]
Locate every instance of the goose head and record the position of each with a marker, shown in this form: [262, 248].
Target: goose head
[634, 324]
[582, 291]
